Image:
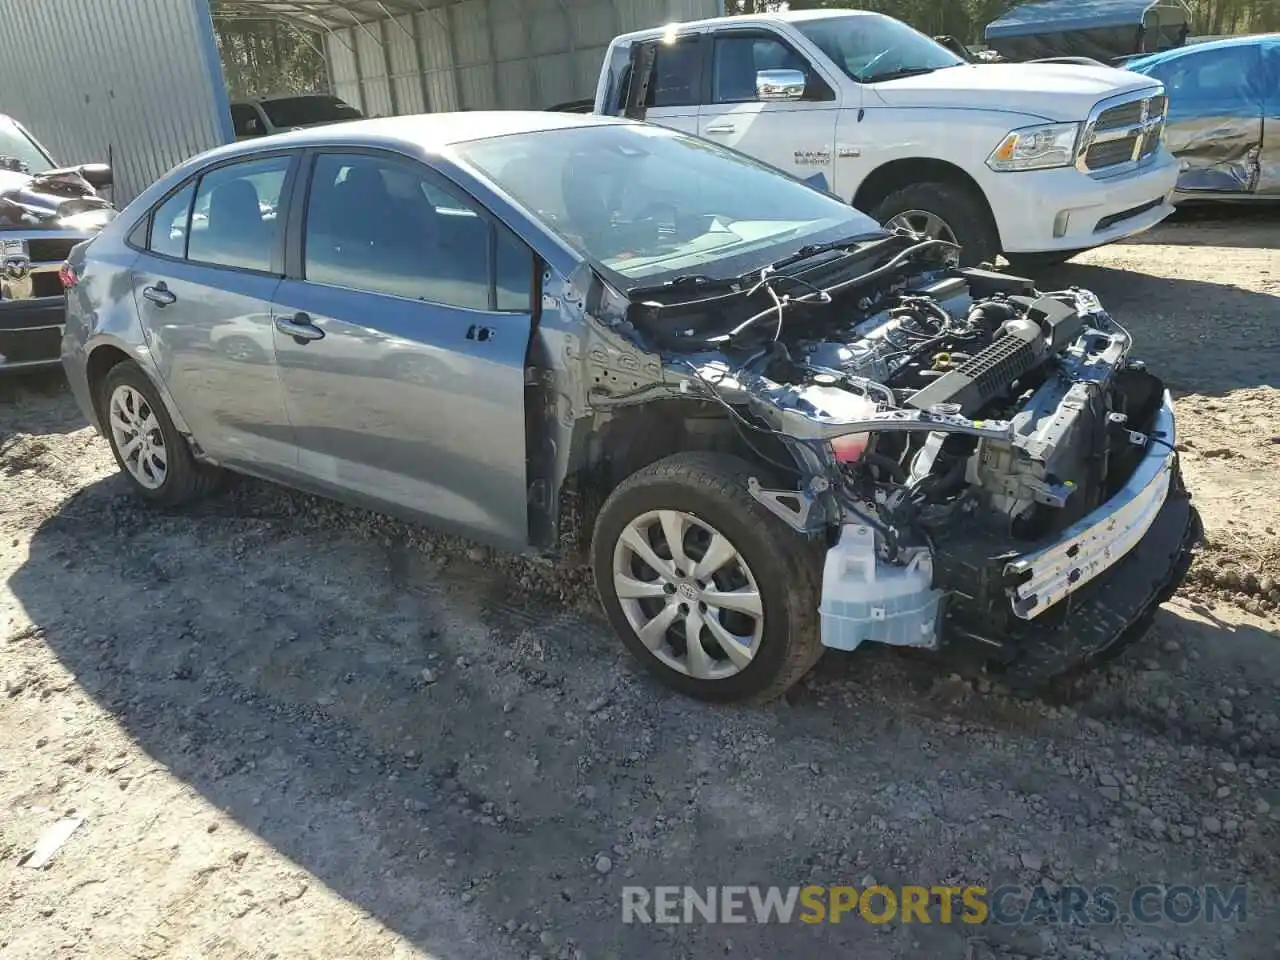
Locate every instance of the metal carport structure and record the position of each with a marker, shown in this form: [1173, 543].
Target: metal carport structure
[140, 83]
[392, 57]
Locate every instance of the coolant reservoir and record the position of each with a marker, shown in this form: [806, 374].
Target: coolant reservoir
[863, 599]
[837, 404]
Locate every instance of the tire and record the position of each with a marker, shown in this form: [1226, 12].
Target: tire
[710, 491]
[1032, 262]
[961, 208]
[184, 479]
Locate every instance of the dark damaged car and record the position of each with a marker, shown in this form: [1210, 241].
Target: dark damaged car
[773, 426]
[45, 210]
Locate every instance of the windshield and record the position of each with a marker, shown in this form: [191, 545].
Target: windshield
[871, 47]
[15, 145]
[299, 111]
[648, 203]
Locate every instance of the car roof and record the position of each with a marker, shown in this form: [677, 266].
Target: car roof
[781, 16]
[1223, 43]
[421, 133]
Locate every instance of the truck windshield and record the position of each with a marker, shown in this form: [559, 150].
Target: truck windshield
[872, 47]
[19, 152]
[649, 203]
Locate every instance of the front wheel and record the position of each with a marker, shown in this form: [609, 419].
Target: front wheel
[710, 591]
[943, 211]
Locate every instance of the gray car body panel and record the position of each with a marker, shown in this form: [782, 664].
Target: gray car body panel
[462, 455]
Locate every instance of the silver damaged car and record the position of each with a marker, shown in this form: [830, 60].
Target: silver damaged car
[772, 426]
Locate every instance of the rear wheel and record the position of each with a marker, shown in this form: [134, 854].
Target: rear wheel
[148, 447]
[943, 211]
[711, 592]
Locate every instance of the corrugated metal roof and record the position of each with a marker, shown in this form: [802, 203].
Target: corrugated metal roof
[327, 14]
[1047, 16]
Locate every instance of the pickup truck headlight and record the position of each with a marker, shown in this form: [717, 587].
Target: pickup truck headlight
[1036, 148]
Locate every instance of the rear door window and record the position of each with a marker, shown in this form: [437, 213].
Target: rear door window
[170, 224]
[677, 74]
[235, 221]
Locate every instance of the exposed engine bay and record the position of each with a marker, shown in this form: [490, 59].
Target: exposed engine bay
[948, 429]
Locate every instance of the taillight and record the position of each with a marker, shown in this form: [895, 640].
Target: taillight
[67, 274]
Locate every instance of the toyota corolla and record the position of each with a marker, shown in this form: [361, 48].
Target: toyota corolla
[779, 427]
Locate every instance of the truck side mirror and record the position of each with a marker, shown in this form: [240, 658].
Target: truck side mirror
[780, 85]
[98, 175]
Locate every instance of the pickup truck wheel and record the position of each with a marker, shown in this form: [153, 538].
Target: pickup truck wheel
[710, 591]
[148, 447]
[1039, 261]
[943, 211]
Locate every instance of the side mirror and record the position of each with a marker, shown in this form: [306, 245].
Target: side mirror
[98, 175]
[780, 84]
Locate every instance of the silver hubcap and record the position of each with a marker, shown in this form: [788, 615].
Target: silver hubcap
[923, 222]
[688, 594]
[138, 438]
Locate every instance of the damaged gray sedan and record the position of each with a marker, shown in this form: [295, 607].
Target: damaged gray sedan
[771, 426]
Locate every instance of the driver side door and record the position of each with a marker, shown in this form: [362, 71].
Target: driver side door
[796, 135]
[401, 332]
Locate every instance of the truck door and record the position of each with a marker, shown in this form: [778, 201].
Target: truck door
[768, 100]
[663, 82]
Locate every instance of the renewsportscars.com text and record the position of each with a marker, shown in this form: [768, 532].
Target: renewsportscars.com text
[1006, 905]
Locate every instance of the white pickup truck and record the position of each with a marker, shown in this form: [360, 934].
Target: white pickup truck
[1037, 161]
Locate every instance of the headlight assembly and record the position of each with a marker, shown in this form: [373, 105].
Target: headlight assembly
[1036, 148]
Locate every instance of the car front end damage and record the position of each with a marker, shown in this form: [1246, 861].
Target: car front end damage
[988, 468]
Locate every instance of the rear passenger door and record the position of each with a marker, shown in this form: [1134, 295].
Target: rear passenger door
[210, 261]
[401, 335]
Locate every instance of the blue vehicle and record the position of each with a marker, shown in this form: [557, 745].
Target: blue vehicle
[1223, 123]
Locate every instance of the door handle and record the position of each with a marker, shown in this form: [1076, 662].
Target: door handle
[300, 327]
[481, 334]
[160, 294]
[722, 128]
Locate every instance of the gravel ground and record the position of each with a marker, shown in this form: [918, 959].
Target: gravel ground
[293, 729]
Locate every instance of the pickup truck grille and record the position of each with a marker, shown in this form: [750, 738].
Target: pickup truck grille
[1118, 135]
[29, 264]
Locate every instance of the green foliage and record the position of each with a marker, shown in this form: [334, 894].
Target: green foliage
[261, 57]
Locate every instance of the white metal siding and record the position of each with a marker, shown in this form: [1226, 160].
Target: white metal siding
[129, 80]
[489, 54]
